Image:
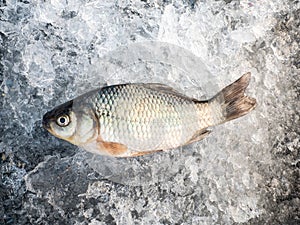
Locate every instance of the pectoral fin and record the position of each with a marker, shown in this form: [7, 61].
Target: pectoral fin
[112, 148]
[199, 135]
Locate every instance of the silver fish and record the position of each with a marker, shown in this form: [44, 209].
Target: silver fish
[136, 119]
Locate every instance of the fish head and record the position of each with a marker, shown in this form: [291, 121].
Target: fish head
[71, 122]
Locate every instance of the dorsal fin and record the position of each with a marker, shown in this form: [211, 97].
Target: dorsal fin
[166, 89]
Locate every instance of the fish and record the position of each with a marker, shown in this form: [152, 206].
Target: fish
[135, 119]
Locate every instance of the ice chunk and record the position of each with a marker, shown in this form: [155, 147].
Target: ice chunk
[244, 172]
[153, 62]
[243, 36]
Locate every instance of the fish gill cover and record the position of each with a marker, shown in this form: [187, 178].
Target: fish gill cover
[245, 172]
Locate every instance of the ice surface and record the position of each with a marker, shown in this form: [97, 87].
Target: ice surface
[245, 172]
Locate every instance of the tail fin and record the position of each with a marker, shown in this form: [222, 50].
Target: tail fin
[234, 103]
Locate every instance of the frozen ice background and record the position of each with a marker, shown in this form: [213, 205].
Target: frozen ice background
[246, 172]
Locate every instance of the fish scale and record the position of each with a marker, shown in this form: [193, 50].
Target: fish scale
[146, 114]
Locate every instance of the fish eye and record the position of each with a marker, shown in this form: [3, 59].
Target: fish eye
[63, 120]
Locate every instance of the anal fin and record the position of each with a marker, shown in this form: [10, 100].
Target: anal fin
[136, 154]
[199, 135]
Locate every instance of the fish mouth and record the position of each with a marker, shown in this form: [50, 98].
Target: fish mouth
[45, 122]
[45, 125]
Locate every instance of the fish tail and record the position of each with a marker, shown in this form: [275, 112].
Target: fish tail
[233, 101]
